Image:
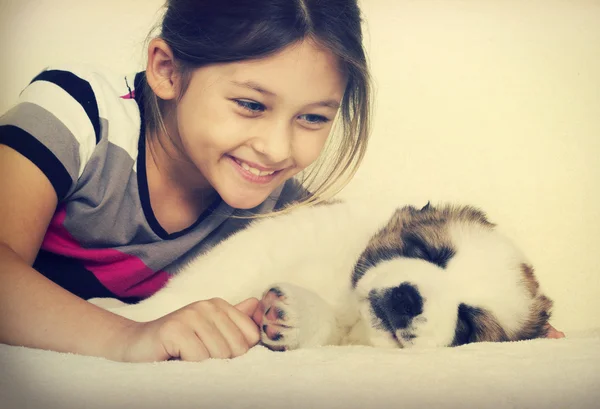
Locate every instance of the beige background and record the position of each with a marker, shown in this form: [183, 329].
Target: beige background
[495, 103]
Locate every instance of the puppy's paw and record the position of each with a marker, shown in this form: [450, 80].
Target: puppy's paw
[294, 318]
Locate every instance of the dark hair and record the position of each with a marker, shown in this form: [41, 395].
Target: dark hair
[201, 32]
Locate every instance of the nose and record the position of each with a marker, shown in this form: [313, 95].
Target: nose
[275, 141]
[405, 300]
[397, 306]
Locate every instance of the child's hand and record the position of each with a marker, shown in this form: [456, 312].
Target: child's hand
[202, 330]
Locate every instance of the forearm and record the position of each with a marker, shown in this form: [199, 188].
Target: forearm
[37, 313]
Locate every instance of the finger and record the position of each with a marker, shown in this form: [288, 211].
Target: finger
[187, 347]
[241, 321]
[245, 323]
[248, 306]
[193, 350]
[233, 335]
[259, 313]
[212, 336]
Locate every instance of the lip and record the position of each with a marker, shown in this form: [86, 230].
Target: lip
[251, 177]
[255, 165]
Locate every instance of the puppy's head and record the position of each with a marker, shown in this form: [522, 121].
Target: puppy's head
[445, 277]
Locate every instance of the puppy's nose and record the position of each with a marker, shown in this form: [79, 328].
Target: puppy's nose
[396, 306]
[405, 300]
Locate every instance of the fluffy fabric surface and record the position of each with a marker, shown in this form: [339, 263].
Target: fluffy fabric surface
[541, 373]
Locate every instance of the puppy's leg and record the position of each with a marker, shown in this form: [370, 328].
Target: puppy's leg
[295, 317]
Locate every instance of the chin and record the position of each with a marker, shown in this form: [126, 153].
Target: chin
[244, 202]
[245, 196]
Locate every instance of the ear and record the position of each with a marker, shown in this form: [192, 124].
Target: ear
[427, 207]
[408, 209]
[160, 70]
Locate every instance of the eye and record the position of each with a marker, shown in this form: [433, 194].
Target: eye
[314, 119]
[416, 247]
[252, 106]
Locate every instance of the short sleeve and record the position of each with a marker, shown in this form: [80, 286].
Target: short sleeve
[56, 125]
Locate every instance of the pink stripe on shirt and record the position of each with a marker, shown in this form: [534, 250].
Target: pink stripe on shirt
[130, 95]
[123, 274]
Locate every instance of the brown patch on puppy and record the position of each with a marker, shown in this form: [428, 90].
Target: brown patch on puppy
[529, 280]
[488, 329]
[477, 325]
[415, 233]
[536, 323]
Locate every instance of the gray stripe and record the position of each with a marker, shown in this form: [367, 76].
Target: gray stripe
[160, 254]
[96, 220]
[94, 213]
[49, 130]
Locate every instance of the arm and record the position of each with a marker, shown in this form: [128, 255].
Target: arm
[34, 311]
[37, 313]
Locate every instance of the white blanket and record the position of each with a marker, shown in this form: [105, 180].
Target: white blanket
[542, 373]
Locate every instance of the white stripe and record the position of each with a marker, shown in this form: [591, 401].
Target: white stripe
[122, 114]
[67, 110]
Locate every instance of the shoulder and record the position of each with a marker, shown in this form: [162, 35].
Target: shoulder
[64, 113]
[105, 96]
[82, 98]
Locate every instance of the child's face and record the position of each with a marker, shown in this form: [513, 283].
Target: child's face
[268, 115]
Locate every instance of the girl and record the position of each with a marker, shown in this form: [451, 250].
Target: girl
[109, 181]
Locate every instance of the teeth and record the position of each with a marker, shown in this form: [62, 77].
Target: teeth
[255, 171]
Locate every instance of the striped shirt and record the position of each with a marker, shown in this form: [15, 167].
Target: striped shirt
[84, 129]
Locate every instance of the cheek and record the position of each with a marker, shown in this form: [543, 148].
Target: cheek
[307, 149]
[209, 127]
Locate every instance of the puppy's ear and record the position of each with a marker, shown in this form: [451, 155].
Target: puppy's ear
[414, 210]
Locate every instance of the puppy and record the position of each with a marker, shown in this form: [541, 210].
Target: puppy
[346, 273]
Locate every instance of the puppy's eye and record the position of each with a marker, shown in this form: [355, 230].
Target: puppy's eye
[415, 247]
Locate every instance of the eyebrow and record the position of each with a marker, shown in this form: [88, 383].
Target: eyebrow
[330, 103]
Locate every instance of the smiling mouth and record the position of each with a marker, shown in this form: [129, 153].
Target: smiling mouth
[252, 170]
[255, 171]
[253, 174]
